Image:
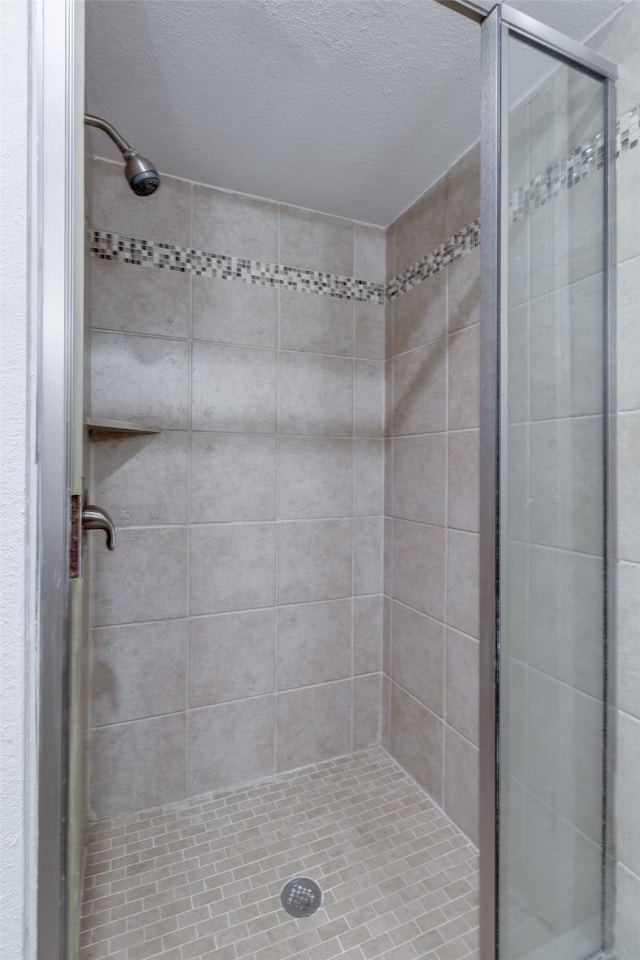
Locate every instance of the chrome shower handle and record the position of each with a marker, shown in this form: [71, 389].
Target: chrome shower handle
[95, 518]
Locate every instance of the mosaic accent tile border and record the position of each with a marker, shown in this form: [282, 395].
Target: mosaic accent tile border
[452, 249]
[569, 171]
[558, 177]
[167, 256]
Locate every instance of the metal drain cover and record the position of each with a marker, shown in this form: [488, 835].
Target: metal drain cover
[301, 897]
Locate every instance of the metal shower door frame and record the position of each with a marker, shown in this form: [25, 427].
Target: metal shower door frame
[496, 26]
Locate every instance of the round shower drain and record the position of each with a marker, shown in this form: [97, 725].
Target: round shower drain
[301, 897]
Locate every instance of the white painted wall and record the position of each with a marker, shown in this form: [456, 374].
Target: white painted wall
[17, 836]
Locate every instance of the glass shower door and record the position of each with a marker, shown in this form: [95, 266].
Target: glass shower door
[549, 640]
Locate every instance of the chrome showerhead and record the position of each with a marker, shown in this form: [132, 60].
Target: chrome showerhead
[140, 173]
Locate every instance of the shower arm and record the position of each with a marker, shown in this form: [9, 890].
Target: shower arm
[125, 149]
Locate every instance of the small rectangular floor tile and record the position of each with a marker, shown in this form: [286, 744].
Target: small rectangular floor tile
[201, 878]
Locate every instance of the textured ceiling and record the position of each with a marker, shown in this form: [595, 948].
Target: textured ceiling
[350, 107]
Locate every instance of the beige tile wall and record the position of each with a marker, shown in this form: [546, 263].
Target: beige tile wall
[431, 503]
[237, 629]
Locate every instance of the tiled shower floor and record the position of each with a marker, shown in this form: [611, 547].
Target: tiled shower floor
[202, 878]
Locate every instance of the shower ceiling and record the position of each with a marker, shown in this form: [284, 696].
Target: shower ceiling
[350, 107]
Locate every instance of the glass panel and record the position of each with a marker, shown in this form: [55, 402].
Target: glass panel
[552, 516]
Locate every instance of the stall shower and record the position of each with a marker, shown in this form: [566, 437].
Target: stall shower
[284, 659]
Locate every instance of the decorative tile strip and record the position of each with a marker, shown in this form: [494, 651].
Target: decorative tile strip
[558, 177]
[167, 256]
[566, 173]
[452, 249]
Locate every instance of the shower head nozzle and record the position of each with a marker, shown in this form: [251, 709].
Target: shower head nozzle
[141, 175]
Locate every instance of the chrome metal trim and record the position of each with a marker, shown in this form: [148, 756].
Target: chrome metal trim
[490, 276]
[53, 222]
[611, 527]
[556, 42]
[96, 518]
[477, 10]
[125, 148]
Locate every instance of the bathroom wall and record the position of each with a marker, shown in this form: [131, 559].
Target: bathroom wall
[237, 626]
[431, 499]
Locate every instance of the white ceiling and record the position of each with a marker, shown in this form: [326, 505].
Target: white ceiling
[350, 107]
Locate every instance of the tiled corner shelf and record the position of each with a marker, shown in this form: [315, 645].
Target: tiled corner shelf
[118, 428]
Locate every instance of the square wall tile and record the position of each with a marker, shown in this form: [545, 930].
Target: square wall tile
[464, 379]
[420, 390]
[628, 335]
[142, 480]
[628, 785]
[234, 224]
[315, 395]
[315, 241]
[627, 481]
[566, 351]
[326, 731]
[140, 379]
[230, 311]
[133, 299]
[315, 477]
[419, 478]
[463, 476]
[314, 560]
[367, 634]
[463, 198]
[518, 386]
[166, 216]
[233, 389]
[628, 675]
[138, 670]
[461, 803]
[464, 291]
[463, 562]
[368, 546]
[421, 314]
[390, 239]
[230, 744]
[422, 227]
[566, 485]
[369, 398]
[385, 720]
[137, 765]
[627, 916]
[370, 330]
[233, 478]
[566, 599]
[387, 623]
[316, 324]
[314, 643]
[418, 656]
[367, 715]
[368, 476]
[417, 741]
[231, 656]
[370, 253]
[419, 566]
[145, 579]
[232, 567]
[463, 684]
